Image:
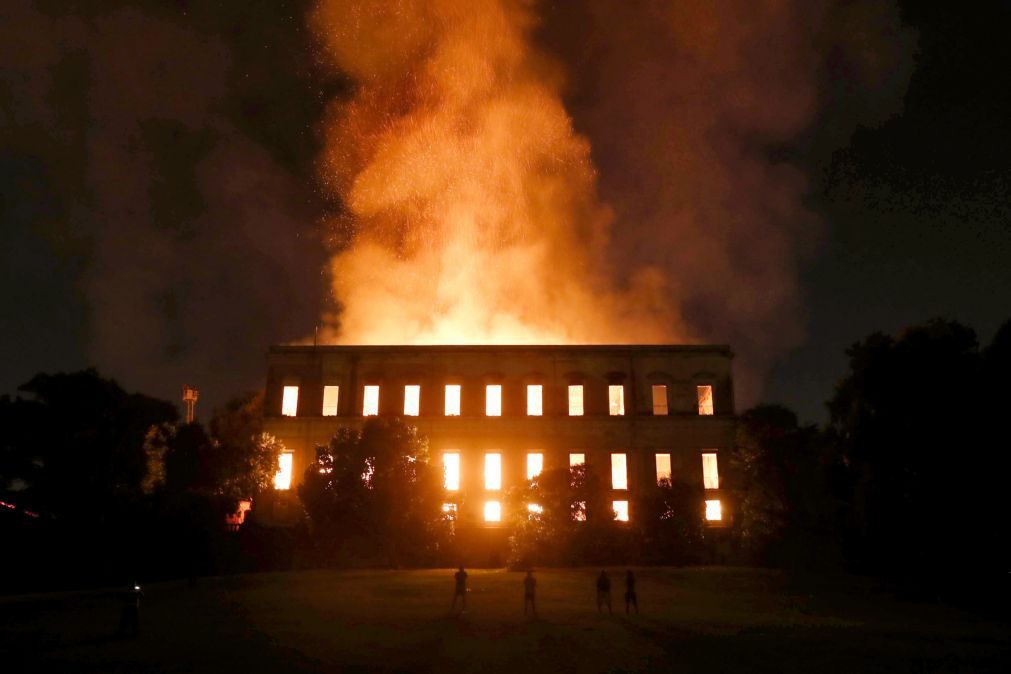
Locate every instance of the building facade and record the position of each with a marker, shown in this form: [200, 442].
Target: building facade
[497, 415]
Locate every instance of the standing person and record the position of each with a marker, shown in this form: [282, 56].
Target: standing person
[603, 592]
[461, 589]
[630, 596]
[129, 619]
[529, 589]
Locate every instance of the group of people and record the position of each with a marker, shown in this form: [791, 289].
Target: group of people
[530, 592]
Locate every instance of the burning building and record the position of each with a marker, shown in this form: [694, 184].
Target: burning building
[496, 416]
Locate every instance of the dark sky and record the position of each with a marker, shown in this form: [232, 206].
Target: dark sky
[159, 214]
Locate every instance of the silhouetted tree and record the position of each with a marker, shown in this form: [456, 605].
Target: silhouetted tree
[912, 421]
[76, 445]
[781, 475]
[576, 523]
[669, 521]
[249, 455]
[375, 492]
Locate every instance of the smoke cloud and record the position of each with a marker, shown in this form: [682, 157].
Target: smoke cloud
[472, 213]
[473, 208]
[196, 243]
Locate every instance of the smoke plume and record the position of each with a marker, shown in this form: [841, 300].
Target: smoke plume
[187, 228]
[472, 213]
[471, 205]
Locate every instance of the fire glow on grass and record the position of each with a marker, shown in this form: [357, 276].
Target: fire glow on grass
[472, 208]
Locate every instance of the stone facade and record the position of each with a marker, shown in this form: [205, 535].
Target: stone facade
[640, 433]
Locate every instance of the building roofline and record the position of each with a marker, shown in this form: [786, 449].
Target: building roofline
[477, 348]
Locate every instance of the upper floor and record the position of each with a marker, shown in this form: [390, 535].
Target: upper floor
[499, 381]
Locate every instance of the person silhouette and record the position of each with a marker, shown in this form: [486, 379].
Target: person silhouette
[129, 618]
[461, 589]
[630, 596]
[529, 590]
[603, 592]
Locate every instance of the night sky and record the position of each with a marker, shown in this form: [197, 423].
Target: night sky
[161, 212]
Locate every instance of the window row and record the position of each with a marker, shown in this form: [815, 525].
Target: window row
[535, 464]
[452, 469]
[492, 510]
[493, 400]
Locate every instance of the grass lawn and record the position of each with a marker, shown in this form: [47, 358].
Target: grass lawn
[692, 620]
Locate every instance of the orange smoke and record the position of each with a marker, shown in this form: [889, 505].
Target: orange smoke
[471, 207]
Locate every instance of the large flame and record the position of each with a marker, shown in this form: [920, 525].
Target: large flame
[471, 206]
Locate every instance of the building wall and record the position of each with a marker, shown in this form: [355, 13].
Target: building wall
[683, 433]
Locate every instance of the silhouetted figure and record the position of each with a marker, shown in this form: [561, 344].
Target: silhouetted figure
[529, 591]
[461, 589]
[129, 619]
[603, 592]
[630, 597]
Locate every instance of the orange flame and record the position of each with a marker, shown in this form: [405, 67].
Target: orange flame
[472, 213]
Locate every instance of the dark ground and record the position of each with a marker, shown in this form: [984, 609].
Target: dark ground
[706, 620]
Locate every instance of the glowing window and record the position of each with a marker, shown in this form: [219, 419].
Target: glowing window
[449, 511]
[619, 472]
[370, 408]
[452, 400]
[714, 512]
[577, 459]
[282, 478]
[492, 511]
[576, 400]
[330, 394]
[535, 400]
[579, 511]
[535, 464]
[493, 471]
[659, 400]
[412, 400]
[535, 508]
[616, 400]
[451, 470]
[663, 467]
[493, 400]
[705, 395]
[710, 473]
[289, 401]
[620, 510]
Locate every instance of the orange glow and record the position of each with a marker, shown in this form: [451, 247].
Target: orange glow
[616, 400]
[330, 397]
[659, 400]
[535, 464]
[452, 400]
[714, 511]
[451, 470]
[619, 472]
[412, 400]
[493, 400]
[576, 400]
[535, 509]
[282, 478]
[493, 471]
[470, 202]
[579, 511]
[535, 401]
[492, 511]
[620, 510]
[289, 401]
[449, 511]
[577, 459]
[663, 471]
[705, 396]
[710, 473]
[370, 406]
